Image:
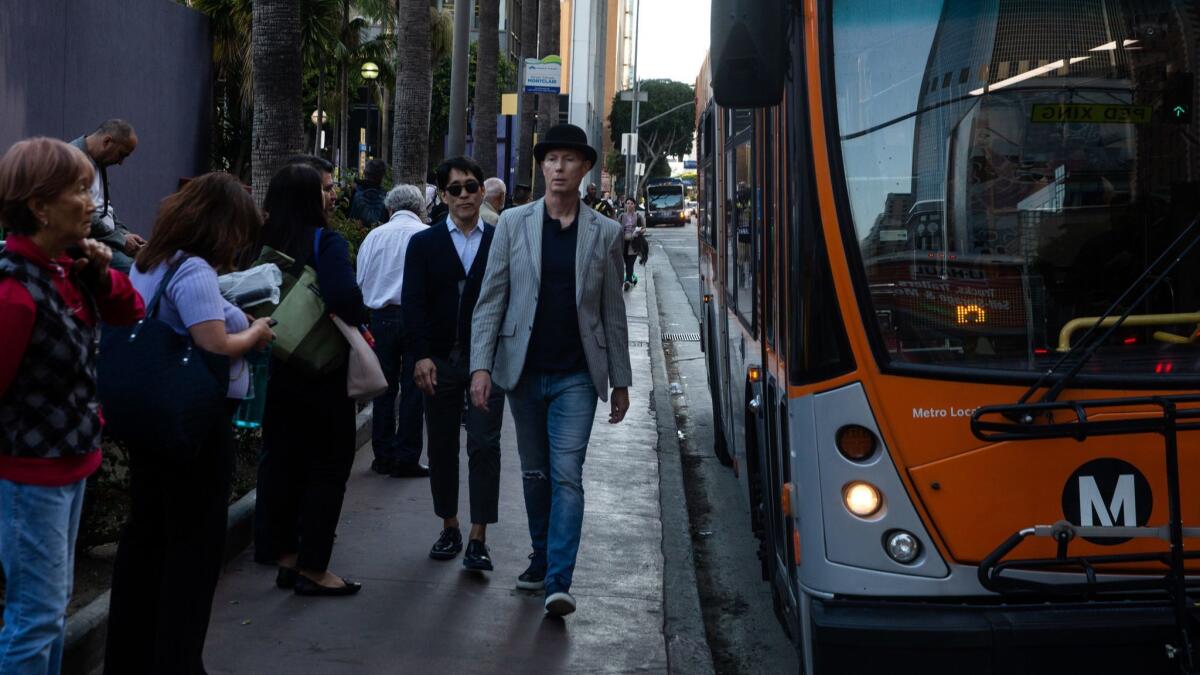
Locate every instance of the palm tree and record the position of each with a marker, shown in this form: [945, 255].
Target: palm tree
[487, 103]
[278, 115]
[414, 83]
[529, 50]
[548, 26]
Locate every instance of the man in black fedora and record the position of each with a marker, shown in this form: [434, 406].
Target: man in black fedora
[549, 328]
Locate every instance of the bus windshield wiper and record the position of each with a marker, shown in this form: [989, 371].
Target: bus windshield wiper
[1094, 338]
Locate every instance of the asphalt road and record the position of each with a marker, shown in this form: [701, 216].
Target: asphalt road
[740, 624]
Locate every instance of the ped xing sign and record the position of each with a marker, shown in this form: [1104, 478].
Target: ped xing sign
[1091, 113]
[544, 76]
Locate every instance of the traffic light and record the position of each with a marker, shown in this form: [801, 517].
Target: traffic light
[1178, 99]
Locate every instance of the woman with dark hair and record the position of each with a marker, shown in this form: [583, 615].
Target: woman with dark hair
[50, 420]
[308, 425]
[170, 553]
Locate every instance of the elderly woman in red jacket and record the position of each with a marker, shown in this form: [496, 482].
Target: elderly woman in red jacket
[50, 305]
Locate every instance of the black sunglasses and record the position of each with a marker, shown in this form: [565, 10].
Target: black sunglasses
[457, 188]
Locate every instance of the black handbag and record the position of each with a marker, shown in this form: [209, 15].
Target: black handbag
[158, 391]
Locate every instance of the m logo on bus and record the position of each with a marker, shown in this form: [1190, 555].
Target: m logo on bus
[1107, 492]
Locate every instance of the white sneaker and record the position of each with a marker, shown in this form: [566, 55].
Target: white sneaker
[560, 604]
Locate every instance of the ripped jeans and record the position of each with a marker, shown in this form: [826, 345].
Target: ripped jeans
[553, 413]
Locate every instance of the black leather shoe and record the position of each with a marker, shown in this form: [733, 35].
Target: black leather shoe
[409, 470]
[286, 577]
[477, 556]
[448, 545]
[382, 466]
[305, 586]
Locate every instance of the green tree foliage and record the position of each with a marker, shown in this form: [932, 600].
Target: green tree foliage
[668, 136]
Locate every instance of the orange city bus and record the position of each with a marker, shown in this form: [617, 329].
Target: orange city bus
[951, 325]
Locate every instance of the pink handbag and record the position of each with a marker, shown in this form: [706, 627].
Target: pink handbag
[364, 379]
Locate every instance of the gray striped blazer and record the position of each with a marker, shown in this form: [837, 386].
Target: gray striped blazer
[503, 319]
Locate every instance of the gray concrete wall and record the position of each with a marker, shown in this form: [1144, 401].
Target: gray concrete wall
[67, 65]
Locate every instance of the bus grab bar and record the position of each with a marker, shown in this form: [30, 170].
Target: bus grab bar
[1064, 336]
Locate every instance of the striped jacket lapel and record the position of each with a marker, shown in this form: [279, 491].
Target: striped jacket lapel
[533, 238]
[585, 241]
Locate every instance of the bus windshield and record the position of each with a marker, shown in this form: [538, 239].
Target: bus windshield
[664, 196]
[1011, 166]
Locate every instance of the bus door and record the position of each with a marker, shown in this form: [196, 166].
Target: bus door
[740, 199]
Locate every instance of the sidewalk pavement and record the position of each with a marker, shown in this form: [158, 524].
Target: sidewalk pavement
[417, 615]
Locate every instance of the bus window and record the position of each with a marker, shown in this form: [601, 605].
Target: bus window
[769, 227]
[992, 208]
[745, 201]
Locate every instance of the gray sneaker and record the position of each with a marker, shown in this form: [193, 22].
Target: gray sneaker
[560, 603]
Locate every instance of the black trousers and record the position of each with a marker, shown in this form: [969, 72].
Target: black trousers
[308, 449]
[630, 259]
[443, 418]
[401, 445]
[169, 559]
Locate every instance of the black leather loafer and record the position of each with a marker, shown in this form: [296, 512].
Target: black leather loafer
[307, 587]
[409, 470]
[448, 545]
[477, 556]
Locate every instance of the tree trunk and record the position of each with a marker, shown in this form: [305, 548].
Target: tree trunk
[278, 101]
[487, 99]
[344, 97]
[457, 138]
[385, 138]
[529, 50]
[548, 26]
[414, 91]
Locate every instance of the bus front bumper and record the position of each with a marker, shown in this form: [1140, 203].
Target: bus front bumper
[864, 636]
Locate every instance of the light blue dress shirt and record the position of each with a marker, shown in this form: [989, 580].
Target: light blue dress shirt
[466, 246]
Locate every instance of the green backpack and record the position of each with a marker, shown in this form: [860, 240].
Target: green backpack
[305, 337]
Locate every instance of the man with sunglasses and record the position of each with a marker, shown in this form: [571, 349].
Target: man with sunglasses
[443, 269]
[550, 328]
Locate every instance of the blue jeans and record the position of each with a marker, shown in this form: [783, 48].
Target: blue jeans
[554, 413]
[38, 527]
[403, 447]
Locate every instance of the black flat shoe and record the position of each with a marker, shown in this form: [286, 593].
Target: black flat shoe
[382, 466]
[477, 556]
[448, 545]
[286, 577]
[308, 587]
[409, 470]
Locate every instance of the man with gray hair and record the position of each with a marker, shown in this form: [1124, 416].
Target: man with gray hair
[493, 200]
[110, 144]
[381, 277]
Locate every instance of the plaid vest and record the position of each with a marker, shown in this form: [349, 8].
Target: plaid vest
[51, 408]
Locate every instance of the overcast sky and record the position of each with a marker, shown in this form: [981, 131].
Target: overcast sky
[674, 39]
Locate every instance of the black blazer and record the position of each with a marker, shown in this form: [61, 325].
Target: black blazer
[429, 302]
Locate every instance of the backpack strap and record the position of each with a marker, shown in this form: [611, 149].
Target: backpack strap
[152, 307]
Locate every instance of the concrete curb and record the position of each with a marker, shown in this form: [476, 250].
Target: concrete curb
[687, 646]
[88, 627]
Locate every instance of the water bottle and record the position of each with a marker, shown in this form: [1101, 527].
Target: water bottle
[249, 414]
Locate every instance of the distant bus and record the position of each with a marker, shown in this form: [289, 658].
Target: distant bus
[665, 202]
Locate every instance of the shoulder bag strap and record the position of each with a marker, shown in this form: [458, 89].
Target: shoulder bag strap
[152, 308]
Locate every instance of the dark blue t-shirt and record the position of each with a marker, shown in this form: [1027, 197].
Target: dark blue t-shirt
[555, 345]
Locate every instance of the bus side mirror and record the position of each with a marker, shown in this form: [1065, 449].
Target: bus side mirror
[749, 48]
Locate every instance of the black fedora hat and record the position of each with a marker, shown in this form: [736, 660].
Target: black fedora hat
[566, 136]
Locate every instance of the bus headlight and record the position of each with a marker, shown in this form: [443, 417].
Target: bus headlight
[862, 499]
[901, 546]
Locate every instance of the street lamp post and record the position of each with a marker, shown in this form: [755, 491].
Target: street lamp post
[369, 72]
[631, 160]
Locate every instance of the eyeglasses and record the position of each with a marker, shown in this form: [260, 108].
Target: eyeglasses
[456, 189]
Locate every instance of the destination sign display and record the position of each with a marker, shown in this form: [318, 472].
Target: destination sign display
[1091, 113]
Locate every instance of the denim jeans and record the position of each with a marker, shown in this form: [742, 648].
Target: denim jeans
[404, 446]
[38, 527]
[554, 413]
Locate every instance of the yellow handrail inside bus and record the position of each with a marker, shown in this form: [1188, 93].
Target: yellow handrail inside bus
[1064, 336]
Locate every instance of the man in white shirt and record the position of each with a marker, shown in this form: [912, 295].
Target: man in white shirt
[493, 200]
[381, 277]
[109, 145]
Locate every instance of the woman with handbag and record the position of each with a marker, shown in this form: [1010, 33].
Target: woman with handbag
[50, 305]
[170, 553]
[308, 426]
[633, 226]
